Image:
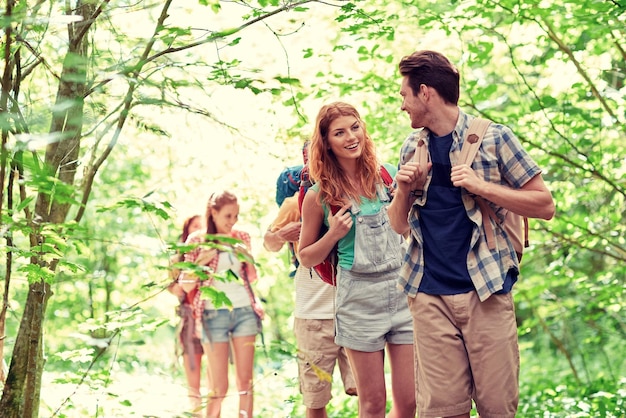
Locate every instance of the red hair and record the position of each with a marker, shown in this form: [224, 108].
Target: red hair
[325, 170]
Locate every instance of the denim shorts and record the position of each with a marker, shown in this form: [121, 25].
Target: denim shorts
[371, 311]
[220, 325]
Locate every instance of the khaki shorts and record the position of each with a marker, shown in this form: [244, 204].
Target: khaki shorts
[465, 350]
[317, 355]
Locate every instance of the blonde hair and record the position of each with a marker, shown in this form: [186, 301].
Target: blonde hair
[334, 186]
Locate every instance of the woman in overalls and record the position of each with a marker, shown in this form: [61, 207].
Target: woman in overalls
[371, 312]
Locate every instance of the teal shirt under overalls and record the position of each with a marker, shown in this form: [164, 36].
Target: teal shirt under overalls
[365, 207]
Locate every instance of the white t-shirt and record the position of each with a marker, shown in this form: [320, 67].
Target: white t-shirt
[314, 298]
[234, 290]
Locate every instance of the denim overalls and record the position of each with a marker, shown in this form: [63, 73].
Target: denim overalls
[370, 308]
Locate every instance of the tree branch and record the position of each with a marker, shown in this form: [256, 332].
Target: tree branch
[211, 38]
[86, 24]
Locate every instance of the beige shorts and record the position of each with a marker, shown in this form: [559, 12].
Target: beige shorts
[465, 350]
[317, 355]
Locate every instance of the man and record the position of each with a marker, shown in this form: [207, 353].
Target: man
[313, 324]
[459, 290]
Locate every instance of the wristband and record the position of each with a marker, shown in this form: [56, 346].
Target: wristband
[417, 193]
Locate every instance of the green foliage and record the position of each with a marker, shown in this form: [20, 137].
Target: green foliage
[552, 72]
[143, 204]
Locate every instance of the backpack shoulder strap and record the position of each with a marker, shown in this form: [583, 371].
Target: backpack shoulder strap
[473, 138]
[384, 173]
[421, 150]
[471, 143]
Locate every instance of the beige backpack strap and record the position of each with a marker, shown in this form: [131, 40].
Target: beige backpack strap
[473, 138]
[516, 226]
[421, 150]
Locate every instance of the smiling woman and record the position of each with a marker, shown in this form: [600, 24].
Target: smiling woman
[346, 137]
[223, 327]
[346, 171]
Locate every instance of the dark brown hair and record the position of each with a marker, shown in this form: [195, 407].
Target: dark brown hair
[434, 70]
[186, 225]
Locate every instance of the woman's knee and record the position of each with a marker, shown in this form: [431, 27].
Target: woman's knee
[244, 383]
[403, 410]
[218, 388]
[373, 405]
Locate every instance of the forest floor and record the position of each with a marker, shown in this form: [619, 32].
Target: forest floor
[143, 395]
[158, 395]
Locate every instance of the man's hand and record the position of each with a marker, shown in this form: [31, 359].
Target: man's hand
[463, 176]
[411, 176]
[290, 232]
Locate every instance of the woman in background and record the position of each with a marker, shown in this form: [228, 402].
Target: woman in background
[224, 326]
[188, 342]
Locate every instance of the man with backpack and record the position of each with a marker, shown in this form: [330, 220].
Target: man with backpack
[313, 324]
[457, 278]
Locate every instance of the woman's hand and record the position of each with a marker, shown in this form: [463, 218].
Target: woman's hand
[176, 289]
[205, 256]
[341, 222]
[187, 281]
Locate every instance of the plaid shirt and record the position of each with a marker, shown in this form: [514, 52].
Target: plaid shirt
[247, 269]
[502, 160]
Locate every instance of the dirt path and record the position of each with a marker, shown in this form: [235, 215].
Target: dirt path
[157, 395]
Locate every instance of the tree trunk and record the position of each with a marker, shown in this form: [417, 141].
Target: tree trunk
[20, 386]
[4, 100]
[20, 398]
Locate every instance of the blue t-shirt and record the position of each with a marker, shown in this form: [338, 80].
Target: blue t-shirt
[446, 228]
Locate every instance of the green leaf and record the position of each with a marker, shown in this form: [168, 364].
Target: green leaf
[288, 80]
[25, 203]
